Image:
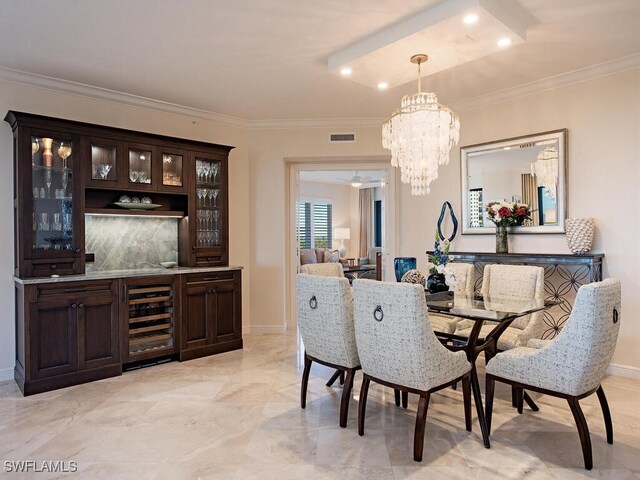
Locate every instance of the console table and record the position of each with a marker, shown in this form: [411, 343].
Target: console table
[563, 275]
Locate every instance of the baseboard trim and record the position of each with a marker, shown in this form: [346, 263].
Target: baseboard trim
[257, 329]
[6, 375]
[626, 371]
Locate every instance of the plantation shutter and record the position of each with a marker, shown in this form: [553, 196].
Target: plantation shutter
[322, 225]
[304, 224]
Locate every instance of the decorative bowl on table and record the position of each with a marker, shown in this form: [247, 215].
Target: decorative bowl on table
[169, 264]
[137, 206]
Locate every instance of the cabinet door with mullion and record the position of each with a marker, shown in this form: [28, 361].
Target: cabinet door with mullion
[98, 337]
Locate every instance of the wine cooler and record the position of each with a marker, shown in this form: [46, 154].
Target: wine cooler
[152, 309]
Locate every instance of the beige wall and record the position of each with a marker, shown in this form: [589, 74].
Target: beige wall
[340, 198]
[603, 120]
[74, 107]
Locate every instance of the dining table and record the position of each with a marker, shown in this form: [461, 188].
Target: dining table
[500, 310]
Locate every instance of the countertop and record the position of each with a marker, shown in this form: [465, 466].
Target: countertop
[144, 272]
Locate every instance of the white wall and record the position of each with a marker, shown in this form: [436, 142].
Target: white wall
[75, 107]
[603, 121]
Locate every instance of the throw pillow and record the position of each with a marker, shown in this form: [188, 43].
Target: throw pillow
[308, 255]
[331, 256]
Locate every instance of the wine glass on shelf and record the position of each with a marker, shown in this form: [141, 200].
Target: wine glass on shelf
[216, 237]
[214, 194]
[64, 151]
[209, 238]
[206, 170]
[35, 146]
[103, 170]
[208, 220]
[215, 168]
[47, 181]
[216, 217]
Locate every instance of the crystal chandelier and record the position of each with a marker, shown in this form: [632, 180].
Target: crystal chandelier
[545, 169]
[420, 134]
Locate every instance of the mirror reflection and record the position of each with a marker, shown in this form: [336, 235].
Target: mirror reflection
[527, 170]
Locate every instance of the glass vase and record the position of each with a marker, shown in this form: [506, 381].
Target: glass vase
[502, 239]
[402, 265]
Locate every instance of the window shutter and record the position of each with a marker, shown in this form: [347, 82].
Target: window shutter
[304, 224]
[322, 225]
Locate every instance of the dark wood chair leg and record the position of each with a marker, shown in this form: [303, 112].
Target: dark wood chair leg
[514, 397]
[333, 378]
[583, 431]
[532, 404]
[519, 395]
[305, 381]
[606, 413]
[477, 396]
[396, 394]
[421, 421]
[405, 399]
[490, 385]
[362, 404]
[346, 396]
[341, 377]
[466, 397]
[454, 386]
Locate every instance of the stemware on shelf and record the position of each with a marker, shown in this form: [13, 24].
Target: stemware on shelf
[103, 170]
[214, 194]
[215, 168]
[64, 151]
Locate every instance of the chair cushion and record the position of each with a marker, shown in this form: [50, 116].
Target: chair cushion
[508, 340]
[443, 323]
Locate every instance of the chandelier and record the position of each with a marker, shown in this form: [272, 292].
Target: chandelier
[420, 134]
[545, 169]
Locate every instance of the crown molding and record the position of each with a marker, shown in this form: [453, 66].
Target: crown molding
[80, 89]
[83, 90]
[569, 78]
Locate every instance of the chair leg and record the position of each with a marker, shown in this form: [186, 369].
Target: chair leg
[583, 431]
[454, 386]
[333, 378]
[514, 397]
[396, 394]
[519, 395]
[477, 396]
[405, 399]
[421, 421]
[305, 381]
[490, 385]
[346, 396]
[606, 413]
[362, 404]
[341, 377]
[532, 404]
[466, 397]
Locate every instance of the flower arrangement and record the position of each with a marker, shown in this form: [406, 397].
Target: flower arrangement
[508, 214]
[439, 259]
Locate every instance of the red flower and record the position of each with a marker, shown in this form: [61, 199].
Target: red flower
[521, 212]
[504, 212]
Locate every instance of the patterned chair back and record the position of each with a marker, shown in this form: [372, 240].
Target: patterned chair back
[329, 269]
[394, 337]
[325, 319]
[463, 273]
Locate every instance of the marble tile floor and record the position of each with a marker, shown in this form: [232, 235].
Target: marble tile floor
[237, 416]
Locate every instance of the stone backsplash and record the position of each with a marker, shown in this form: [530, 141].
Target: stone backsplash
[130, 242]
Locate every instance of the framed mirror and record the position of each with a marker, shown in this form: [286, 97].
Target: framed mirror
[531, 169]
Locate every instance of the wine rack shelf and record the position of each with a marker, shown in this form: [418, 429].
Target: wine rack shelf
[151, 318]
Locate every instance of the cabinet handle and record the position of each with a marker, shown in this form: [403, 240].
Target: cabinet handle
[208, 279]
[72, 290]
[77, 250]
[73, 305]
[193, 248]
[54, 266]
[81, 305]
[209, 259]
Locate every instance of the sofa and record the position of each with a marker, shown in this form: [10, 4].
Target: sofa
[317, 255]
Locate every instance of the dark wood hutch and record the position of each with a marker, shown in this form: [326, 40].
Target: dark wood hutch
[73, 327]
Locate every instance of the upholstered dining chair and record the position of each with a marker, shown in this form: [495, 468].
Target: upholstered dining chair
[463, 274]
[398, 348]
[328, 269]
[572, 365]
[325, 320]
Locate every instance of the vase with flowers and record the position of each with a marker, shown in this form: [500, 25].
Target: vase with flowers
[440, 278]
[505, 215]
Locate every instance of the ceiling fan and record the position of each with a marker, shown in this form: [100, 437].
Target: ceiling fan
[357, 180]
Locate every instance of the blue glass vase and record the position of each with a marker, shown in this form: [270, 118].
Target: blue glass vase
[402, 265]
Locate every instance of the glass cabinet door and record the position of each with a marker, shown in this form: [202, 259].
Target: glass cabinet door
[140, 171]
[53, 167]
[172, 167]
[210, 203]
[105, 165]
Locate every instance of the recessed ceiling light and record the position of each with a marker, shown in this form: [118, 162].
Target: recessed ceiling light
[383, 85]
[504, 42]
[346, 71]
[470, 19]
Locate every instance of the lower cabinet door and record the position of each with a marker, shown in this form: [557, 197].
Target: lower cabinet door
[197, 316]
[53, 338]
[98, 339]
[227, 314]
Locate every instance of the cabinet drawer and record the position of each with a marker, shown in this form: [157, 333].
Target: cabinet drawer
[209, 260]
[211, 277]
[75, 288]
[47, 267]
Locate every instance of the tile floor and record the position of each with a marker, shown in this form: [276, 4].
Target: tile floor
[237, 416]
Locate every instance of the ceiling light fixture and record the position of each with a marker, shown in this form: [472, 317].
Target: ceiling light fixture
[504, 42]
[470, 19]
[346, 71]
[356, 181]
[383, 85]
[545, 169]
[420, 135]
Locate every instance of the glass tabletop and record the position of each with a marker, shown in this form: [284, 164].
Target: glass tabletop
[493, 308]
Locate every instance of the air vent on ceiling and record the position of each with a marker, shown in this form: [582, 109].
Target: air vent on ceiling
[342, 137]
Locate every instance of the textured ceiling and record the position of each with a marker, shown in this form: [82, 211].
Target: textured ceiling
[267, 60]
